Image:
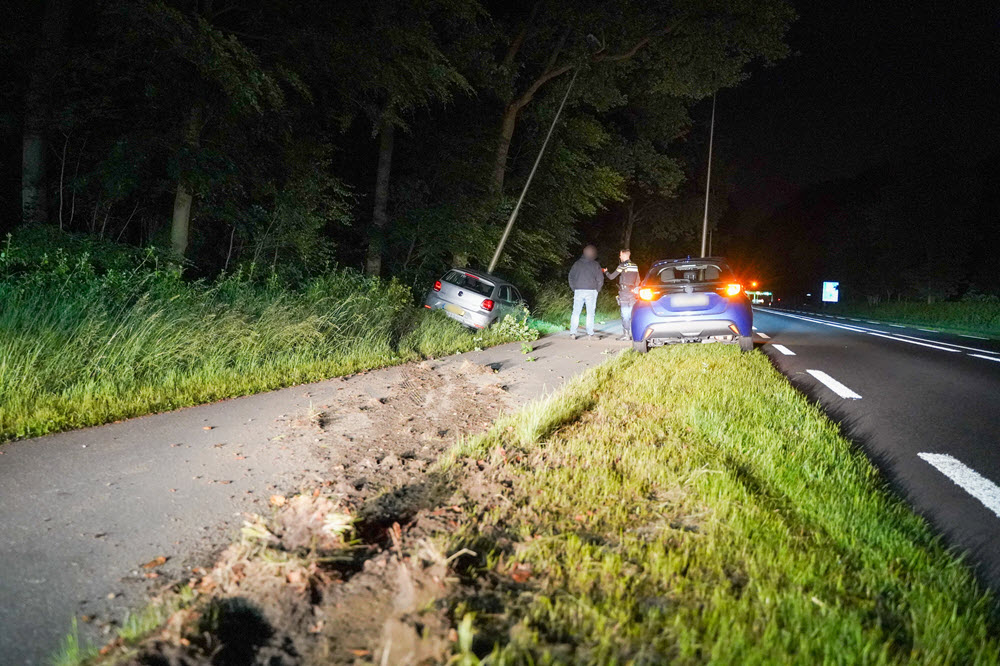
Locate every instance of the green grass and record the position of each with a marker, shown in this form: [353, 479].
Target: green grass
[83, 344]
[73, 651]
[980, 316]
[689, 506]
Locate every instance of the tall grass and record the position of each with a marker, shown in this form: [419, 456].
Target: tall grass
[83, 344]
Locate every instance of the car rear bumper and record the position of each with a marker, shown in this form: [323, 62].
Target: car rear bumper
[463, 316]
[697, 330]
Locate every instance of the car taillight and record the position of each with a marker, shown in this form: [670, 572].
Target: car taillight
[733, 289]
[488, 305]
[437, 285]
[646, 294]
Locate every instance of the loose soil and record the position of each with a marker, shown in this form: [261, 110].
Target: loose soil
[367, 602]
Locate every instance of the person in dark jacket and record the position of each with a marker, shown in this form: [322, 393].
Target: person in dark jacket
[586, 278]
[627, 275]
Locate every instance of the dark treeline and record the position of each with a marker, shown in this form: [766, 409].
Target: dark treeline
[922, 230]
[392, 136]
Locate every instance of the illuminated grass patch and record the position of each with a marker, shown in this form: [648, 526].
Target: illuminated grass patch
[690, 506]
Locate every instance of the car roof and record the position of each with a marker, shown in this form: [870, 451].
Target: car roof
[688, 260]
[483, 275]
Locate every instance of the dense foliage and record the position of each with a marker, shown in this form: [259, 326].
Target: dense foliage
[391, 135]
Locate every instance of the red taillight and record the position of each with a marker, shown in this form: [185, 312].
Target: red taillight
[488, 305]
[437, 285]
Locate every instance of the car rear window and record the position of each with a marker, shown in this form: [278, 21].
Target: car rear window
[470, 282]
[693, 273]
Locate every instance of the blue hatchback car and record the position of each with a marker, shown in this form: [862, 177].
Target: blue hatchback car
[691, 300]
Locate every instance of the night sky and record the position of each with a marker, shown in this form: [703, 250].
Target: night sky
[869, 84]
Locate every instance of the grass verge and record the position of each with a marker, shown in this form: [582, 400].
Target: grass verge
[86, 338]
[689, 505]
[978, 317]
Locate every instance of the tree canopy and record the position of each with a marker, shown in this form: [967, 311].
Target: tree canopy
[391, 135]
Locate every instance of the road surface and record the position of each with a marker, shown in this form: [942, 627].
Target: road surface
[83, 511]
[924, 405]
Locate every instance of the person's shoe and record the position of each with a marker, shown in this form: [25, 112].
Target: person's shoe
[625, 338]
[573, 336]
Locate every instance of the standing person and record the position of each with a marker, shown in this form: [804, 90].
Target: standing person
[627, 274]
[586, 278]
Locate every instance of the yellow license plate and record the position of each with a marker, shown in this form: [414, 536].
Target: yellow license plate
[454, 309]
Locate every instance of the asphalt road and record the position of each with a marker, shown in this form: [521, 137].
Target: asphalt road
[81, 512]
[924, 405]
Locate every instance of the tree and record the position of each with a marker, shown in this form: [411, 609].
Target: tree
[693, 47]
[37, 112]
[392, 67]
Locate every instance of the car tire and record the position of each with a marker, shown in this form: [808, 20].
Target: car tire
[746, 343]
[640, 346]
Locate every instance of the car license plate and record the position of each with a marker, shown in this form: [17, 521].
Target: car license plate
[689, 300]
[454, 309]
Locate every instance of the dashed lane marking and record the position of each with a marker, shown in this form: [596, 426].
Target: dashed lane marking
[834, 385]
[967, 479]
[988, 358]
[784, 350]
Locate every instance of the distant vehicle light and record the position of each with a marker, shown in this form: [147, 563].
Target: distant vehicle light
[488, 305]
[754, 284]
[646, 294]
[437, 285]
[733, 289]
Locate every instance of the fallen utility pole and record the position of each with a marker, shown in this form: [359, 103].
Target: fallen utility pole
[708, 180]
[524, 190]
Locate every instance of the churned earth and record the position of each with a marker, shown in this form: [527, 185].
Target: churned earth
[97, 520]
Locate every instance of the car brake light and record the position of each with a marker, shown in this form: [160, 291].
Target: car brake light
[733, 289]
[488, 305]
[437, 285]
[646, 294]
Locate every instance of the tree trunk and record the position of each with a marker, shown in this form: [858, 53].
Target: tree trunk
[180, 224]
[380, 216]
[629, 224]
[507, 125]
[34, 148]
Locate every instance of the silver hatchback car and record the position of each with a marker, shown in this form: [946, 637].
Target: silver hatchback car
[474, 298]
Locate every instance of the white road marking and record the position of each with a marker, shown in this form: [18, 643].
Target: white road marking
[853, 319]
[951, 344]
[967, 479]
[784, 350]
[974, 337]
[912, 341]
[897, 325]
[764, 335]
[988, 358]
[834, 385]
[898, 337]
[927, 330]
[754, 327]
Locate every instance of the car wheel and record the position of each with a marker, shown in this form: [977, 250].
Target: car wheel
[746, 343]
[640, 346]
